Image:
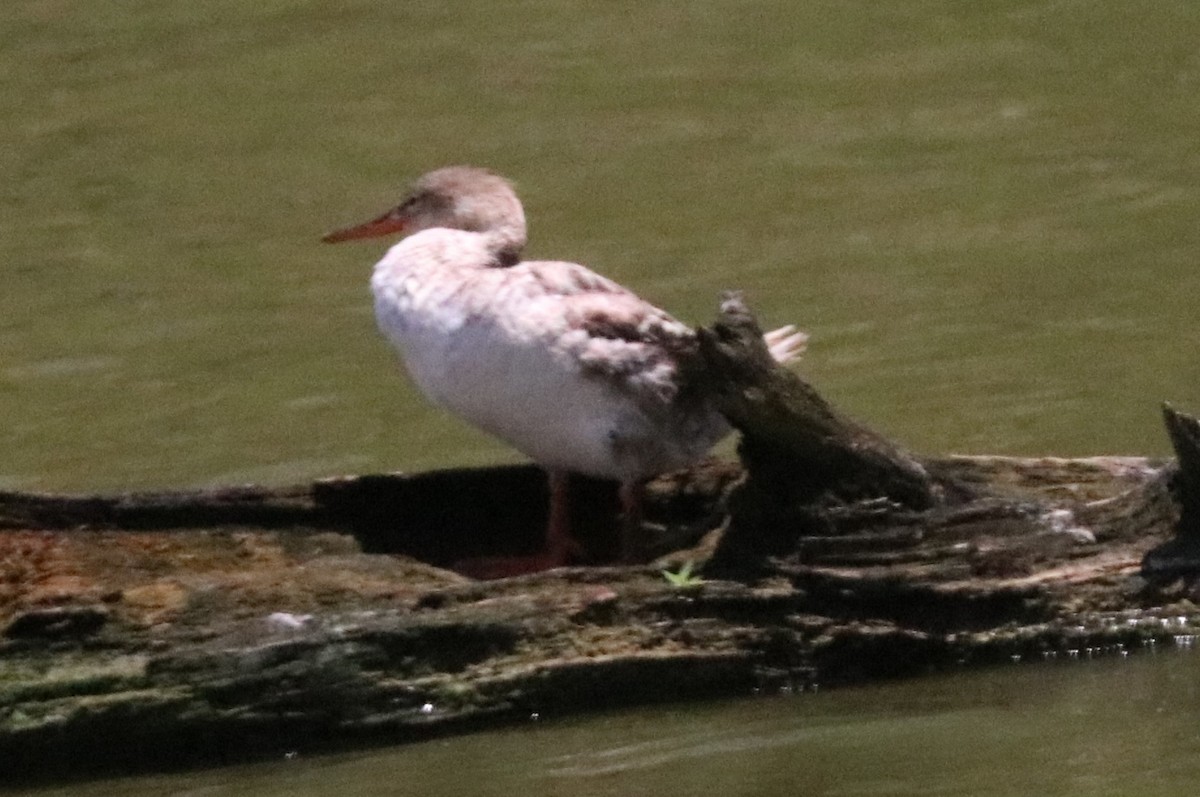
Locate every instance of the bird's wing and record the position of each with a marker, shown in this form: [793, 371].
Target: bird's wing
[608, 331]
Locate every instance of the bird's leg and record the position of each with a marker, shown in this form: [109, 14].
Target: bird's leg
[631, 494]
[559, 545]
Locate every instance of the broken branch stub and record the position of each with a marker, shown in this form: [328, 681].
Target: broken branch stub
[782, 416]
[800, 453]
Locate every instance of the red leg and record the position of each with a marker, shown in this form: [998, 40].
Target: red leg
[559, 543]
[631, 495]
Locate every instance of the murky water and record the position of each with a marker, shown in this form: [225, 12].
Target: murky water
[1117, 726]
[985, 213]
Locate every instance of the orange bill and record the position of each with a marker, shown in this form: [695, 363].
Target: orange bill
[388, 223]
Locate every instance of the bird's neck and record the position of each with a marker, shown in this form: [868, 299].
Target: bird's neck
[505, 242]
[435, 252]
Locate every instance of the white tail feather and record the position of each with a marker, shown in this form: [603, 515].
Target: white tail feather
[786, 343]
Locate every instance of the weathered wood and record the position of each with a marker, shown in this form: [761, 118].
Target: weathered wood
[1180, 556]
[801, 455]
[1184, 432]
[810, 448]
[142, 630]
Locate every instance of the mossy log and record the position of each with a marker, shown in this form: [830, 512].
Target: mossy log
[144, 630]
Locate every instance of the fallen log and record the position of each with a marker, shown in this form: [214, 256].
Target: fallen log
[146, 630]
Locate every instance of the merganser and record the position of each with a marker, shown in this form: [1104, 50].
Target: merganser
[568, 367]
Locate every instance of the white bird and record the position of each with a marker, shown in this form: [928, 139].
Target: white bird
[570, 368]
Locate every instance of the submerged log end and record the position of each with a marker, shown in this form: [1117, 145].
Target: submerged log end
[1180, 556]
[1184, 431]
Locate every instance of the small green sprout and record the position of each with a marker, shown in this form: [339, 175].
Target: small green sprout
[682, 577]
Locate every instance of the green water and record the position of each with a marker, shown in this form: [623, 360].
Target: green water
[1124, 727]
[985, 213]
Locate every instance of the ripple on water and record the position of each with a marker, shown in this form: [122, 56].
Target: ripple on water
[58, 367]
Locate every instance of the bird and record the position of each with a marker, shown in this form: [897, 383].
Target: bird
[572, 369]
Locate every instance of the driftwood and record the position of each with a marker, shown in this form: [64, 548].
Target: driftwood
[146, 630]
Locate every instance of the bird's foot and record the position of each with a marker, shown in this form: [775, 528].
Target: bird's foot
[487, 568]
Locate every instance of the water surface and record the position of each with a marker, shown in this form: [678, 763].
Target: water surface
[1115, 726]
[985, 213]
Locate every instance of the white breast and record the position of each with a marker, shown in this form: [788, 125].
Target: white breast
[499, 351]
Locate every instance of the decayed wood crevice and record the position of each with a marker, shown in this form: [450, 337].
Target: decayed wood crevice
[139, 630]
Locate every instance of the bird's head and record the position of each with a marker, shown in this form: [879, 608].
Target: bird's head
[456, 198]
